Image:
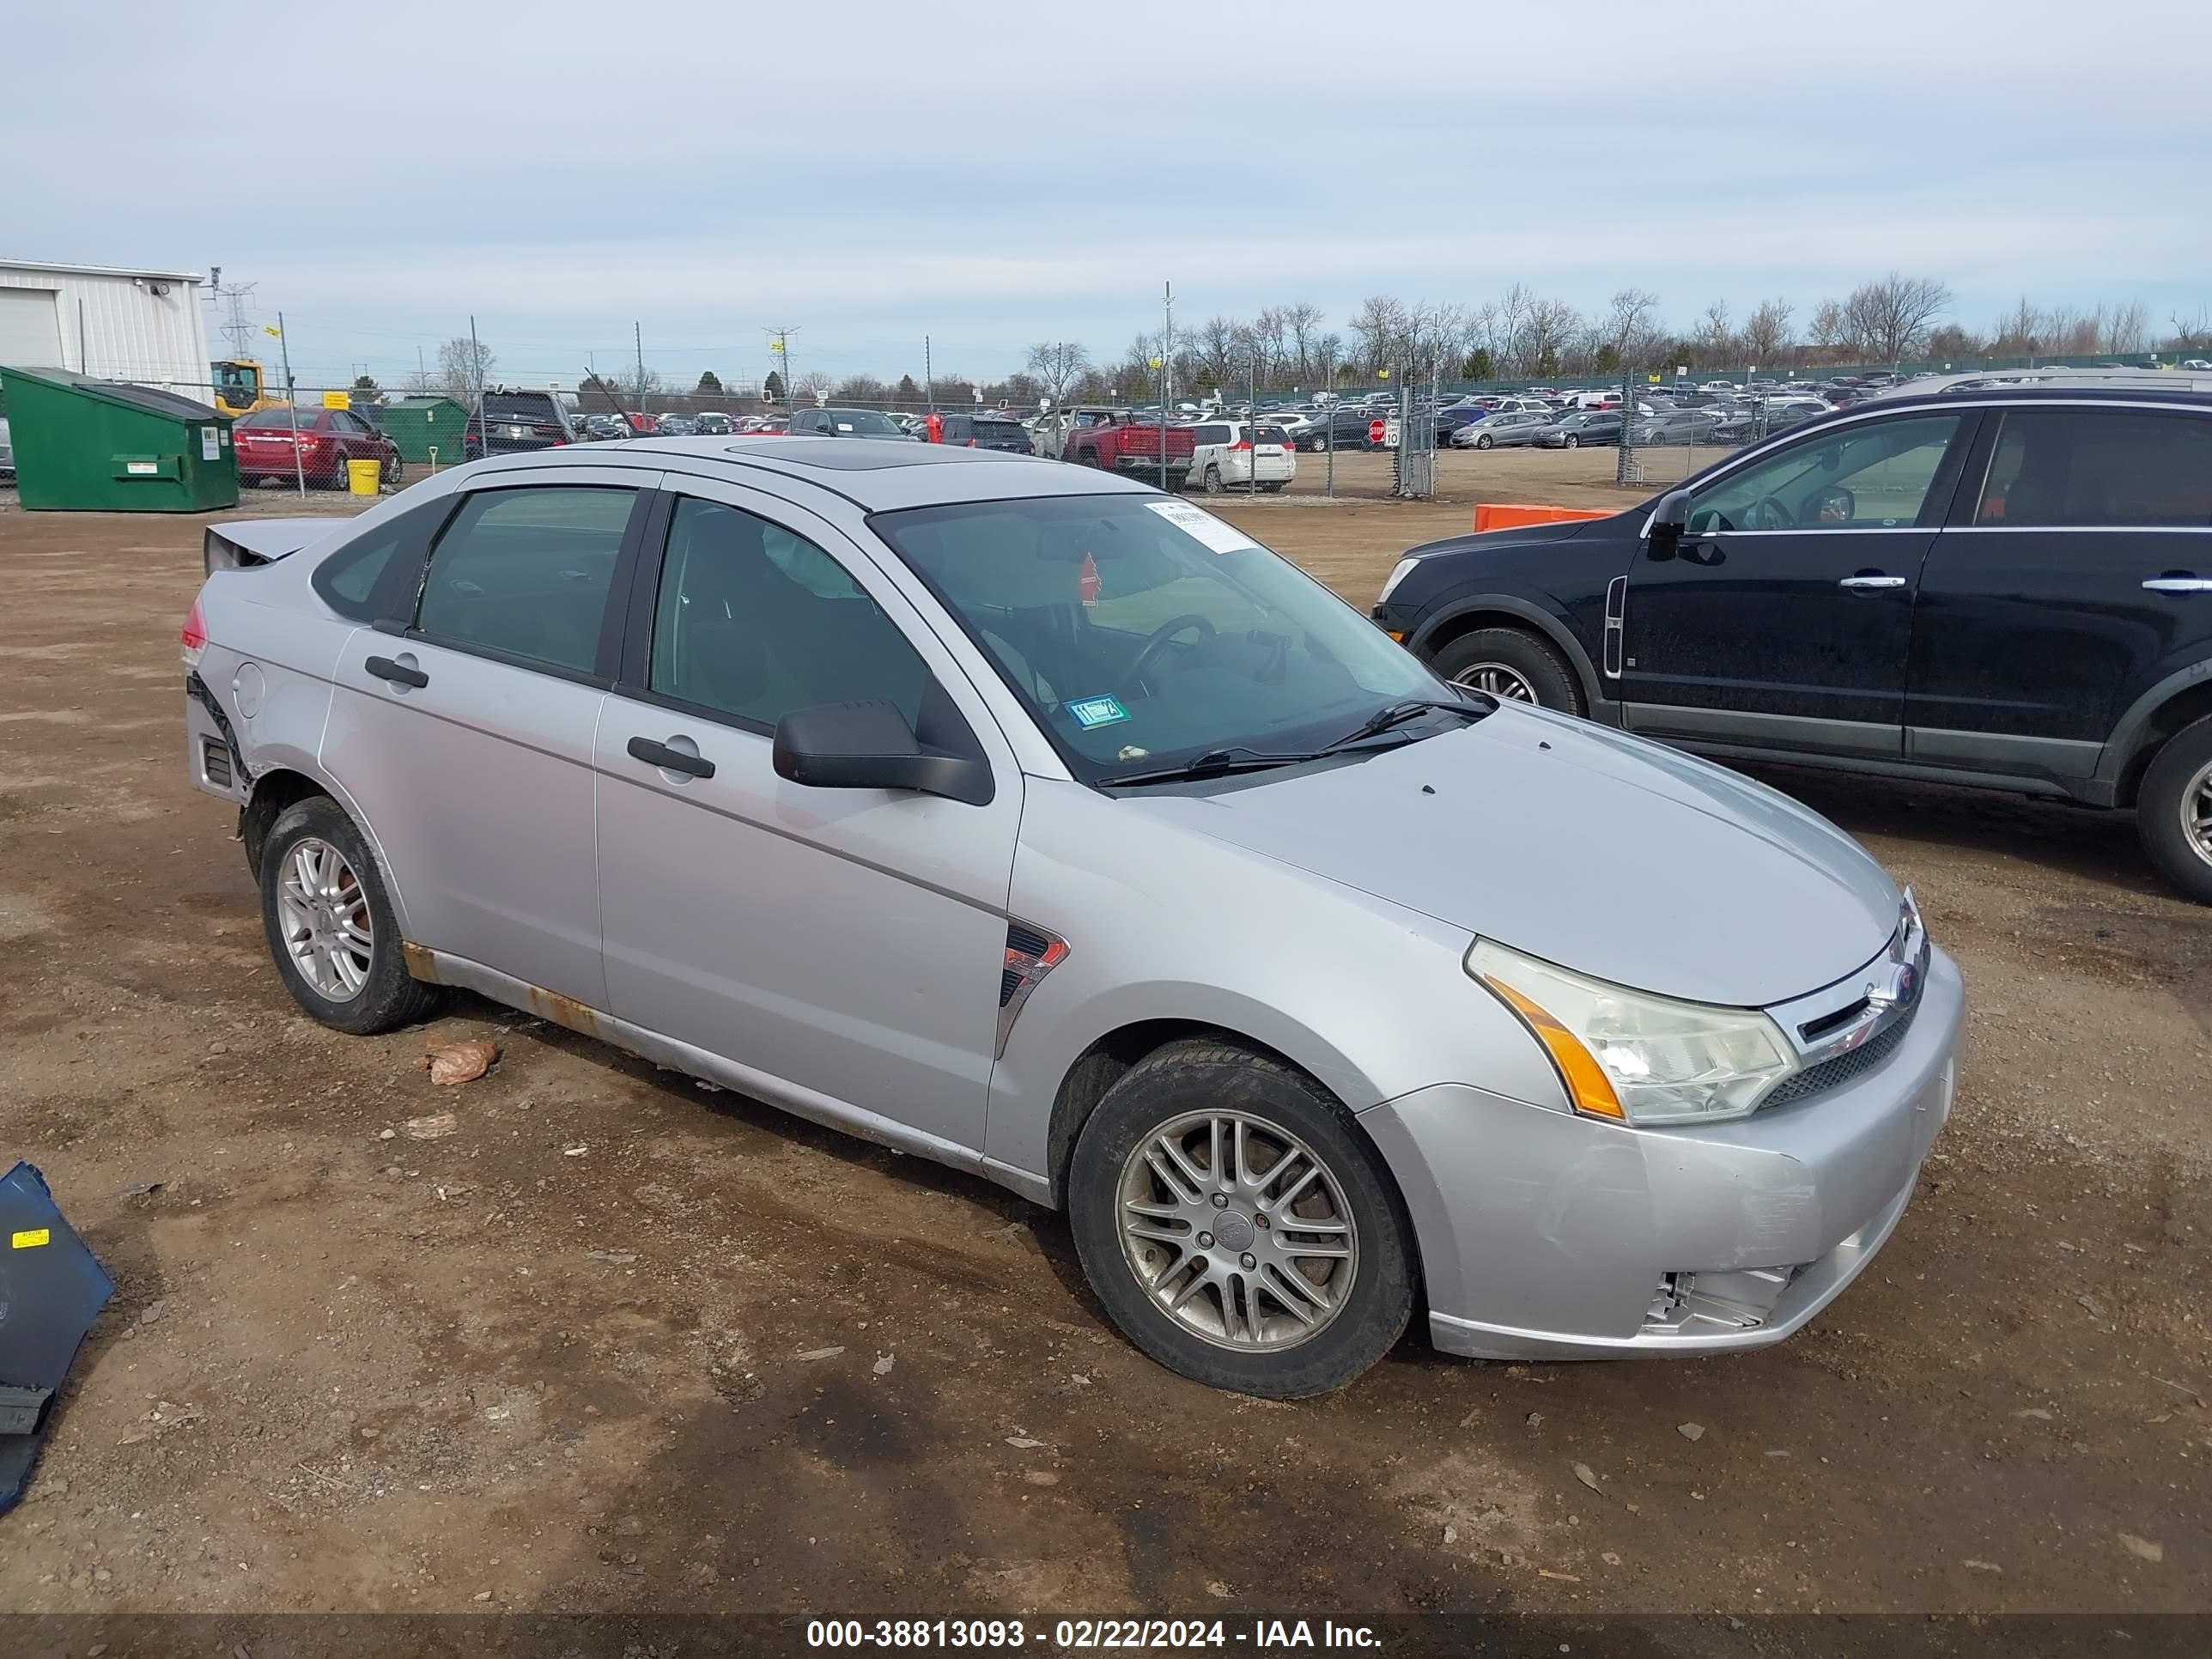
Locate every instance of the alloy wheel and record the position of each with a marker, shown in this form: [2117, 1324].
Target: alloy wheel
[1237, 1230]
[1499, 679]
[2196, 812]
[324, 914]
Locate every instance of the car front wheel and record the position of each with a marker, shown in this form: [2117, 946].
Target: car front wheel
[331, 925]
[1511, 665]
[2173, 810]
[1236, 1224]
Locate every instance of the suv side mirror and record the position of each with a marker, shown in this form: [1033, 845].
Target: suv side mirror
[869, 745]
[1668, 521]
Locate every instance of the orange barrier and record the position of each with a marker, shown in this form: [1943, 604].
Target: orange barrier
[1507, 515]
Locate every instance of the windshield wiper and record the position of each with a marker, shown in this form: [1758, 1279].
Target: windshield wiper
[1213, 763]
[1398, 713]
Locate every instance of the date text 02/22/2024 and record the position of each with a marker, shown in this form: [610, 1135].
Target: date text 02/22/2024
[1260, 1635]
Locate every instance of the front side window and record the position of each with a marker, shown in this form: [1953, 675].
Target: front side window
[525, 573]
[752, 621]
[1871, 476]
[1142, 633]
[2090, 468]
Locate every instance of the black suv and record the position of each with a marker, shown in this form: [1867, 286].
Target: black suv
[519, 421]
[985, 432]
[2008, 587]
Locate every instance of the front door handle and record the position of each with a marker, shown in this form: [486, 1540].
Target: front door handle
[2178, 582]
[1870, 582]
[398, 672]
[659, 754]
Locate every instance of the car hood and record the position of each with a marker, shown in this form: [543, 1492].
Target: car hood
[1590, 848]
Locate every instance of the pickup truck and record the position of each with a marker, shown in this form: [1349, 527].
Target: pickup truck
[1117, 440]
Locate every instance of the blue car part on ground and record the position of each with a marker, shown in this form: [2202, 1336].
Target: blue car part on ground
[51, 1290]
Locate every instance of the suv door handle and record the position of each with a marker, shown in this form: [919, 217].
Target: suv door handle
[2180, 584]
[398, 672]
[659, 754]
[1870, 582]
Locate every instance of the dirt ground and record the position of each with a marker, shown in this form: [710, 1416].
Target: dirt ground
[616, 1342]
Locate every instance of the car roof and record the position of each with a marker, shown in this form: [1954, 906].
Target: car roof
[876, 474]
[2006, 382]
[1921, 395]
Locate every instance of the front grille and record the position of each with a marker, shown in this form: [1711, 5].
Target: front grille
[1834, 1074]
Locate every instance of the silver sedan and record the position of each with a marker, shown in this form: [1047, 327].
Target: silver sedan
[1022, 817]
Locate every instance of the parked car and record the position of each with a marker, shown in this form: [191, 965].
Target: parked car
[1746, 421]
[1117, 441]
[1023, 819]
[846, 423]
[1583, 427]
[327, 439]
[713, 423]
[2009, 588]
[1502, 429]
[674, 426]
[605, 429]
[1674, 426]
[1005, 434]
[521, 421]
[1345, 427]
[1235, 453]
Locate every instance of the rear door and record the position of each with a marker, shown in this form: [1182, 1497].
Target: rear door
[844, 947]
[1783, 618]
[2076, 574]
[464, 732]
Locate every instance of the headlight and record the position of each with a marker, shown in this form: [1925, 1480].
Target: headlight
[1405, 567]
[1639, 1058]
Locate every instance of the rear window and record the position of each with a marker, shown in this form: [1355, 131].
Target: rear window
[1273, 434]
[2088, 468]
[279, 419]
[525, 405]
[1000, 430]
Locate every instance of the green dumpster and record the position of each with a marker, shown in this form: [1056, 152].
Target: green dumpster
[87, 445]
[419, 425]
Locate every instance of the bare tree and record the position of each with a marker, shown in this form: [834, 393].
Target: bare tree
[1056, 365]
[1715, 339]
[1545, 330]
[1830, 332]
[1628, 328]
[1766, 331]
[465, 368]
[1302, 323]
[861, 389]
[2191, 334]
[1892, 316]
[2128, 330]
[1220, 351]
[811, 387]
[1380, 327]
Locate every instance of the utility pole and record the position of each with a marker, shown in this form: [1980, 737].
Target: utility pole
[234, 328]
[928, 377]
[1167, 371]
[291, 404]
[476, 361]
[637, 339]
[781, 347]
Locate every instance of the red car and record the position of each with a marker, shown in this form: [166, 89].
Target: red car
[329, 438]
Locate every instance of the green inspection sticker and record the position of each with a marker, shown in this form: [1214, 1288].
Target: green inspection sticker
[1098, 711]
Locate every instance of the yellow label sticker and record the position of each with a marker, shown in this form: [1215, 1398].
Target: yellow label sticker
[28, 1240]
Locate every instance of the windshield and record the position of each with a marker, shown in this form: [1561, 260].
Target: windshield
[1143, 632]
[864, 424]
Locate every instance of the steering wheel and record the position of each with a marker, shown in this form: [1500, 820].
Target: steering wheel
[1153, 646]
[1769, 512]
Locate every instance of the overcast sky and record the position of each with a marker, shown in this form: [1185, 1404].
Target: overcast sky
[992, 175]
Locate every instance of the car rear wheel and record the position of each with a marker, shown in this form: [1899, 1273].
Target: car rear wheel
[1238, 1226]
[1213, 481]
[1511, 665]
[330, 927]
[2173, 810]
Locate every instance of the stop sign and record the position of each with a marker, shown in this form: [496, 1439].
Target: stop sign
[1375, 432]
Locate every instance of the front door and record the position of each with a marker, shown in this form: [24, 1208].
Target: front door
[1782, 617]
[2076, 574]
[843, 948]
[466, 738]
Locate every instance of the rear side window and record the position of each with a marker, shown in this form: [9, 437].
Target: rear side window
[526, 573]
[2096, 468]
[999, 431]
[1210, 434]
[353, 581]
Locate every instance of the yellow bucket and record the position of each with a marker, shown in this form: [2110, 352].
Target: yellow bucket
[362, 476]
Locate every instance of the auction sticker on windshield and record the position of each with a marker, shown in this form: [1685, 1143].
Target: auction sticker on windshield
[1097, 711]
[1212, 532]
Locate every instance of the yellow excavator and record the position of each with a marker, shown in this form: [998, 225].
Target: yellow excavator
[240, 388]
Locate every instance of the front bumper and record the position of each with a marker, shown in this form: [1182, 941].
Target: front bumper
[1547, 1236]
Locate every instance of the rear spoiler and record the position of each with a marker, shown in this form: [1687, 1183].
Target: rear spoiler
[250, 542]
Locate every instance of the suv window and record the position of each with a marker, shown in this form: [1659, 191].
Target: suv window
[752, 621]
[1875, 476]
[1210, 434]
[2084, 468]
[526, 573]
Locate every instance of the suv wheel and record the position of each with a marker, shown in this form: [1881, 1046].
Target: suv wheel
[1212, 480]
[1238, 1226]
[330, 923]
[2173, 810]
[1513, 664]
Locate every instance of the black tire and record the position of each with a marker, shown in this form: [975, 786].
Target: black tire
[1483, 442]
[1212, 480]
[1573, 441]
[394, 472]
[1199, 1075]
[1532, 658]
[2179, 783]
[389, 996]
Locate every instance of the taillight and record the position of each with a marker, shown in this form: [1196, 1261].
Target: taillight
[971, 443]
[193, 635]
[1240, 445]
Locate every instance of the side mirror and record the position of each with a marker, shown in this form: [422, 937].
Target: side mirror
[1668, 521]
[869, 745]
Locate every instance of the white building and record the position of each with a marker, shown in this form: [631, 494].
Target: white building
[143, 325]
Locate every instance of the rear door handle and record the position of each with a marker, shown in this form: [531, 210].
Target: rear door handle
[1870, 582]
[398, 672]
[659, 754]
[2179, 584]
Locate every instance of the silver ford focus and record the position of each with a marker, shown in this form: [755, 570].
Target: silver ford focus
[1026, 818]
